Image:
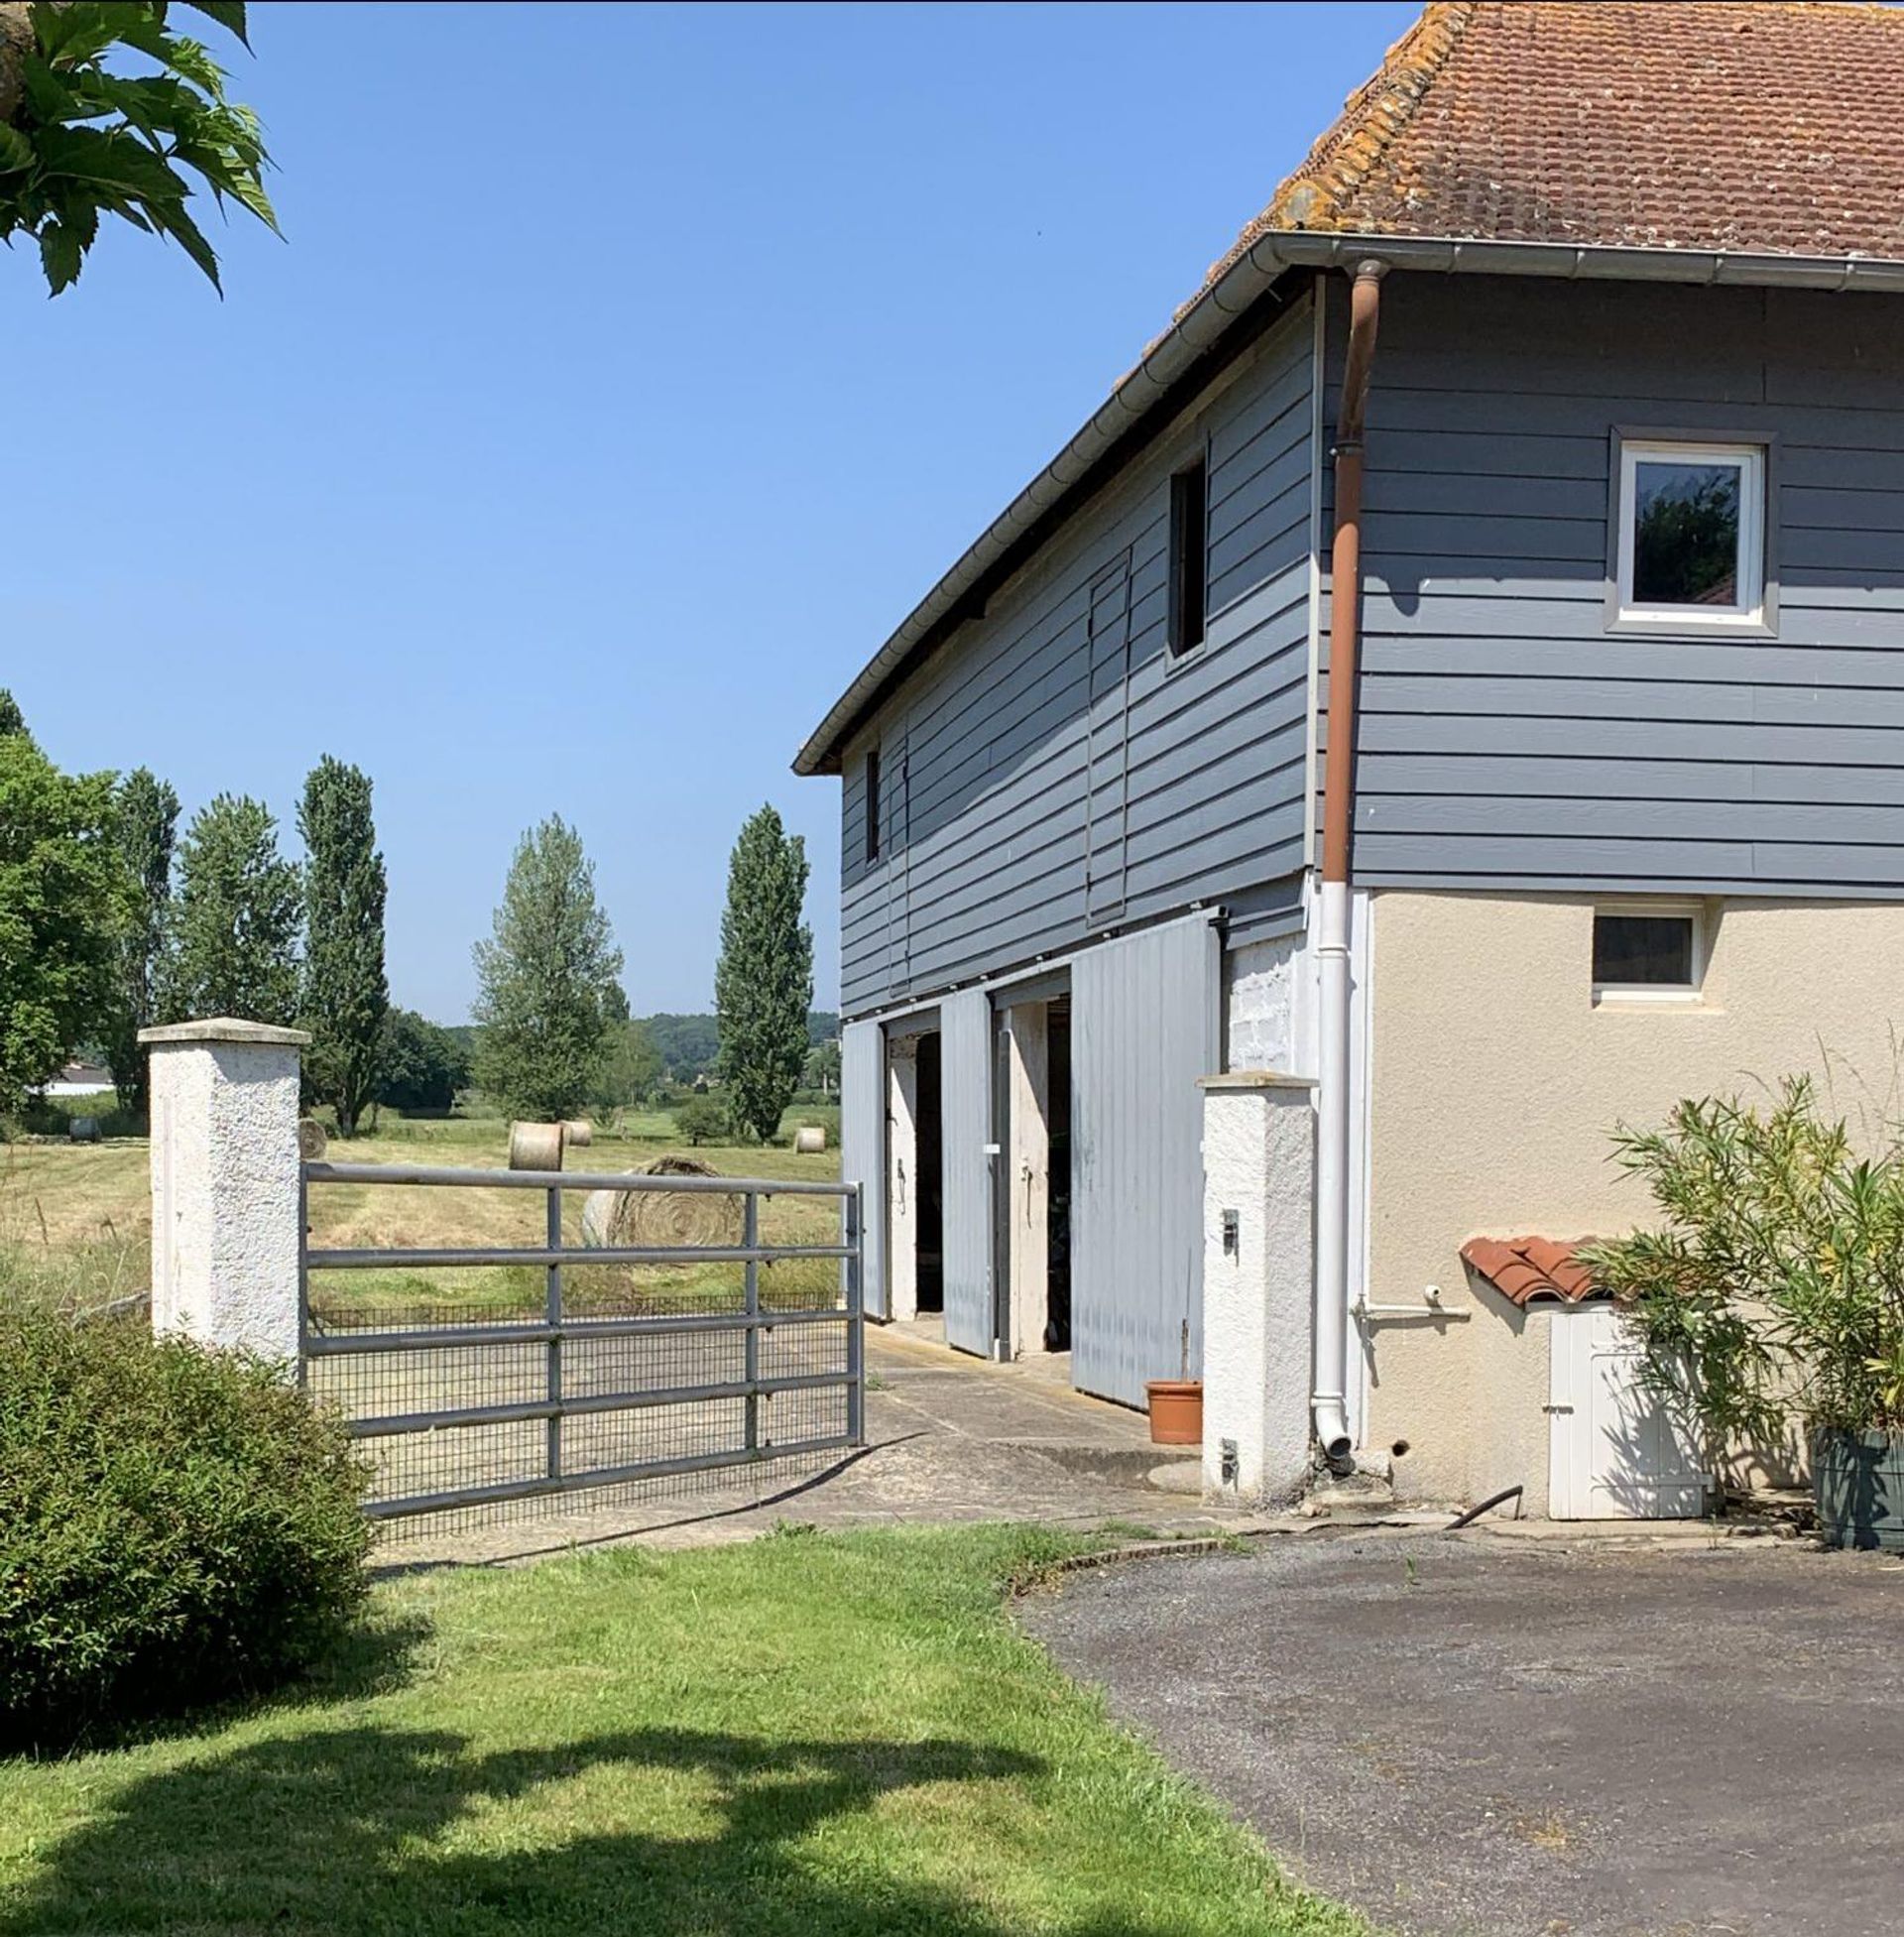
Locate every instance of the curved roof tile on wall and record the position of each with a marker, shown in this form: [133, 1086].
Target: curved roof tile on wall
[1526, 1270]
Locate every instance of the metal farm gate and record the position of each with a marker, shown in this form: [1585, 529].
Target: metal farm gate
[679, 1364]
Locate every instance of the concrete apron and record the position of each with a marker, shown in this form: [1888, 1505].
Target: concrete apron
[950, 1439]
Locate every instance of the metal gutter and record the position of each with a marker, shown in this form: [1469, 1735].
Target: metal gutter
[1144, 400]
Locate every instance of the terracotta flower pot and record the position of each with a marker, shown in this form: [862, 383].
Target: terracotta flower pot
[1177, 1411]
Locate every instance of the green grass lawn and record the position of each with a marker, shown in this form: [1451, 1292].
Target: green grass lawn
[808, 1736]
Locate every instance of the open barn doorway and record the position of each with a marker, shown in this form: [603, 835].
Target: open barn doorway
[915, 1174]
[932, 1178]
[1034, 1204]
[1057, 1303]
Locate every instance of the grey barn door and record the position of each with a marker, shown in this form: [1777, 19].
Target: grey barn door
[863, 1147]
[1144, 1021]
[964, 1085]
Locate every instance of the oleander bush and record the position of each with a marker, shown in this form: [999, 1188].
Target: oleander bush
[1771, 1294]
[176, 1525]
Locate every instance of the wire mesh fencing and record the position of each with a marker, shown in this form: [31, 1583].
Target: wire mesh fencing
[692, 1327]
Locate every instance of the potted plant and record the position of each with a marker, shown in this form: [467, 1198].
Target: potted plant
[1771, 1300]
[1176, 1405]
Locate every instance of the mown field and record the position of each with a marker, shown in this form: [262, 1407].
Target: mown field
[75, 1220]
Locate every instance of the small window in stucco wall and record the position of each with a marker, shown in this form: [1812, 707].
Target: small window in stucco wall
[1648, 951]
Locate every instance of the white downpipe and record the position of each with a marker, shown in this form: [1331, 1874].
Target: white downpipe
[1329, 1401]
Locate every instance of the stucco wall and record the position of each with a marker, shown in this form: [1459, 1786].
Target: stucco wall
[1495, 1082]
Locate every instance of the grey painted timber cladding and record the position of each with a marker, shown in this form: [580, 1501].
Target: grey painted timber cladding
[863, 1147]
[965, 1063]
[1145, 1014]
[1051, 773]
[1509, 739]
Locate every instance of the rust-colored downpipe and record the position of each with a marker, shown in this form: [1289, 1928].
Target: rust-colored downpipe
[1329, 1399]
[1345, 571]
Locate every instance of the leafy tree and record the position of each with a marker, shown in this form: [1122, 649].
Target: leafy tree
[632, 1072]
[147, 831]
[234, 947]
[821, 1071]
[12, 720]
[763, 984]
[63, 903]
[547, 979]
[80, 139]
[420, 1066]
[346, 994]
[700, 1119]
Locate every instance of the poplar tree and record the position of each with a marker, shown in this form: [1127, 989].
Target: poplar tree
[547, 979]
[234, 943]
[147, 834]
[346, 994]
[763, 986]
[13, 722]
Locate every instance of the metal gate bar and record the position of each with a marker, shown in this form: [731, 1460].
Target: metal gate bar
[556, 1331]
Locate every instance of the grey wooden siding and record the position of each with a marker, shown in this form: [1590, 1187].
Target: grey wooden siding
[863, 1147]
[1051, 775]
[965, 1047]
[1508, 738]
[1145, 1020]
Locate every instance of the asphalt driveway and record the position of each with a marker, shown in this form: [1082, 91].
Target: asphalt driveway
[1464, 1734]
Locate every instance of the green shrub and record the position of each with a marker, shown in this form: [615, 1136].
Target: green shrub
[176, 1525]
[700, 1119]
[1773, 1295]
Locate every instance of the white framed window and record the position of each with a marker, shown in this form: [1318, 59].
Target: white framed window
[1649, 951]
[1691, 533]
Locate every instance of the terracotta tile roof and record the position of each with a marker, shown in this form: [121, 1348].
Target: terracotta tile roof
[1770, 128]
[1526, 1270]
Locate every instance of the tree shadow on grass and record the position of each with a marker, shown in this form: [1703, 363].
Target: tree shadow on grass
[375, 1656]
[359, 1830]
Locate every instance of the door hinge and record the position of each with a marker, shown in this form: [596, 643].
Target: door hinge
[1556, 1408]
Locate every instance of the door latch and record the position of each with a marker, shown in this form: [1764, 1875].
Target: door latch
[1556, 1408]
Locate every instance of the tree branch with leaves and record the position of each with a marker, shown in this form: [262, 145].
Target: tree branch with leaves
[80, 137]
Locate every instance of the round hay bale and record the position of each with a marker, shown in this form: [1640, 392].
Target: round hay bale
[311, 1141]
[640, 1218]
[83, 1130]
[598, 1217]
[809, 1140]
[536, 1145]
[581, 1133]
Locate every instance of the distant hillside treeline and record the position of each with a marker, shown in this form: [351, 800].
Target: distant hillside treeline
[689, 1045]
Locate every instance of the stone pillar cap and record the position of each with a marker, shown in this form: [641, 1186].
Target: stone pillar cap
[225, 1029]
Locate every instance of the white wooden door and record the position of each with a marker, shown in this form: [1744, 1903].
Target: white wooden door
[1613, 1451]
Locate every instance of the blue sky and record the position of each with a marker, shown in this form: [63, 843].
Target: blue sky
[627, 375]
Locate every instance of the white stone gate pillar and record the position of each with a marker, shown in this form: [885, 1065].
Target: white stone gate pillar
[1258, 1277]
[225, 1183]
